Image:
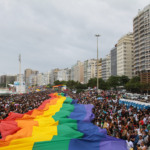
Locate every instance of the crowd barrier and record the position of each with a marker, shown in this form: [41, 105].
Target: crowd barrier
[135, 104]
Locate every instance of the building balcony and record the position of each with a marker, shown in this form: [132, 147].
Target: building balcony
[136, 51]
[142, 38]
[136, 34]
[142, 54]
[141, 27]
[136, 62]
[136, 54]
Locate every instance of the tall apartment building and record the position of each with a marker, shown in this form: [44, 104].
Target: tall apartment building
[64, 74]
[100, 68]
[90, 69]
[77, 72]
[54, 75]
[39, 79]
[68, 74]
[28, 73]
[43, 78]
[113, 57]
[32, 80]
[141, 32]
[8, 79]
[106, 67]
[125, 56]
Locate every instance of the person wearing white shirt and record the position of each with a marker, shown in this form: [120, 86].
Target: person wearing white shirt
[142, 146]
[145, 120]
[140, 139]
[129, 143]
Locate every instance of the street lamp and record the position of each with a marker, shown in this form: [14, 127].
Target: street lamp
[97, 35]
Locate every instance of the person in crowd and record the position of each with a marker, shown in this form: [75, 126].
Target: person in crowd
[142, 146]
[21, 103]
[129, 143]
[127, 123]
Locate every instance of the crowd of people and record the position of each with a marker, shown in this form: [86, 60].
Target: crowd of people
[21, 103]
[129, 124]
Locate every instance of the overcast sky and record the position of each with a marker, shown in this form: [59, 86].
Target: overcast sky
[56, 33]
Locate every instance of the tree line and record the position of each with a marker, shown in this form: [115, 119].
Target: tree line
[114, 82]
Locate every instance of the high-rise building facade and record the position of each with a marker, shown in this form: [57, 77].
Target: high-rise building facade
[68, 72]
[113, 57]
[32, 80]
[141, 32]
[77, 72]
[63, 74]
[7, 79]
[100, 68]
[43, 78]
[27, 74]
[54, 75]
[106, 67]
[125, 56]
[90, 69]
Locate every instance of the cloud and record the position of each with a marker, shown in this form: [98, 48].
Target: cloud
[57, 33]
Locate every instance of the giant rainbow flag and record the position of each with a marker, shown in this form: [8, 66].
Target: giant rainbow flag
[58, 124]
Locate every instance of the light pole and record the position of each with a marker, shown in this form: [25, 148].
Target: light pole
[97, 35]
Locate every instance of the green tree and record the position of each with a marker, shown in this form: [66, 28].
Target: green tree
[135, 79]
[3, 85]
[145, 87]
[92, 82]
[134, 85]
[103, 84]
[49, 86]
[113, 81]
[128, 86]
[71, 84]
[81, 86]
[57, 82]
[123, 80]
[137, 87]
